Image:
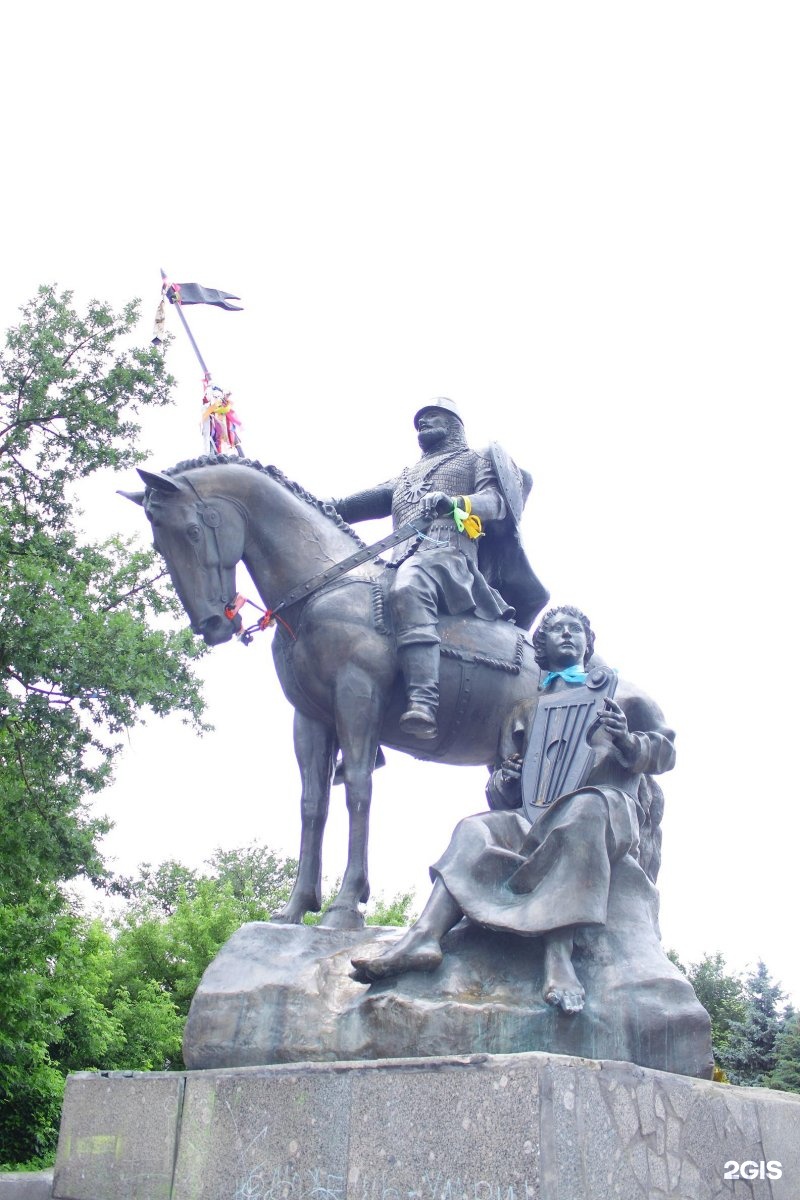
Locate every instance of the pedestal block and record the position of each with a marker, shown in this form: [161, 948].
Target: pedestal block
[484, 1127]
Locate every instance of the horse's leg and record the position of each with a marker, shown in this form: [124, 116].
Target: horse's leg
[313, 745]
[358, 708]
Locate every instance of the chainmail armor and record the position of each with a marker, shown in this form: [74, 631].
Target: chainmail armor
[453, 473]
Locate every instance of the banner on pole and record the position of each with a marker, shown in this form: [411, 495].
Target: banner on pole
[195, 293]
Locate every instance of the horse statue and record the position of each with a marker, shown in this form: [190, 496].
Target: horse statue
[333, 647]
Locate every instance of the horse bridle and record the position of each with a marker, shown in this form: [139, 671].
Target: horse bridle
[210, 517]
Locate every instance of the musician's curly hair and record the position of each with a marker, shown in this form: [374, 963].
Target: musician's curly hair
[539, 650]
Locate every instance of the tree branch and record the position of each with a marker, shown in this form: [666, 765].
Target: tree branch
[21, 466]
[139, 588]
[16, 425]
[79, 346]
[53, 694]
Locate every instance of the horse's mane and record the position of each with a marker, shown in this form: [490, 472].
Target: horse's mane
[221, 460]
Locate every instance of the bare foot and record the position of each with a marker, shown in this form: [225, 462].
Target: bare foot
[569, 1000]
[418, 954]
[562, 988]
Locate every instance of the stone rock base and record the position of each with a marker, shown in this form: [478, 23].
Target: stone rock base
[282, 993]
[505, 1127]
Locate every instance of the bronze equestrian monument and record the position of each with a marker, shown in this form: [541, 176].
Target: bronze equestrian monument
[526, 1038]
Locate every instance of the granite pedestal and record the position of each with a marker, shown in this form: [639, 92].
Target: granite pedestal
[486, 1127]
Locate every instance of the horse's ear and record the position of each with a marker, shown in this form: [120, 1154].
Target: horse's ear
[136, 497]
[159, 482]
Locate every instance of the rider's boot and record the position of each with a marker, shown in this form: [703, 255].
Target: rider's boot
[419, 663]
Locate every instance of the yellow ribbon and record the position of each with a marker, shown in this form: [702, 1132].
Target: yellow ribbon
[465, 522]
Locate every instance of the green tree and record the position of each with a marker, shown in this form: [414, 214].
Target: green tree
[750, 1054]
[177, 920]
[83, 650]
[158, 888]
[396, 911]
[80, 653]
[785, 1075]
[255, 874]
[33, 935]
[87, 1034]
[721, 994]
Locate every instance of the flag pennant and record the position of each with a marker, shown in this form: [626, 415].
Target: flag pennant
[195, 293]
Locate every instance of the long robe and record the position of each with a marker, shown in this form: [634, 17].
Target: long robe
[508, 874]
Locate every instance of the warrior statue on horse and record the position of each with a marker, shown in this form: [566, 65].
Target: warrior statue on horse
[430, 654]
[475, 500]
[424, 655]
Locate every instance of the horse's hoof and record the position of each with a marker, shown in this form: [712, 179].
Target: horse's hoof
[340, 916]
[285, 916]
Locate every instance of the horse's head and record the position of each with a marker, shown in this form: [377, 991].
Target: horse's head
[201, 538]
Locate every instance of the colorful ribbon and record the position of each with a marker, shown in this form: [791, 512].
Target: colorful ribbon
[465, 521]
[571, 674]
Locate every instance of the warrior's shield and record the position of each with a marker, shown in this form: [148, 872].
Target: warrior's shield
[559, 758]
[514, 483]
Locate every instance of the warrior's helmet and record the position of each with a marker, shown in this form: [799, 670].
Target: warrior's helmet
[441, 403]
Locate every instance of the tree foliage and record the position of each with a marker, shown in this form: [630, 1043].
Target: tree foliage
[117, 991]
[80, 651]
[83, 650]
[750, 1055]
[755, 1039]
[721, 994]
[177, 919]
[785, 1075]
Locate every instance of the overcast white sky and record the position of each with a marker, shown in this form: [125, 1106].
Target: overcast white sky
[581, 222]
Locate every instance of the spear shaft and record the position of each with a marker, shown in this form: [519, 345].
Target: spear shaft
[206, 373]
[179, 307]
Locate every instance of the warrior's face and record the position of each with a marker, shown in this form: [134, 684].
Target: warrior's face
[564, 640]
[435, 428]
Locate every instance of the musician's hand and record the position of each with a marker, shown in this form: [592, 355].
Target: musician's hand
[437, 504]
[504, 791]
[614, 721]
[511, 768]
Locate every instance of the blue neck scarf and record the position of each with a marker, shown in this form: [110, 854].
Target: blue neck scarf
[572, 674]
